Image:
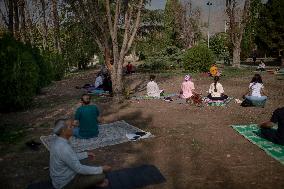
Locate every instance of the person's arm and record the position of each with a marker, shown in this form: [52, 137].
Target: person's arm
[82, 155]
[272, 122]
[77, 118]
[221, 89]
[210, 89]
[71, 159]
[263, 91]
[267, 124]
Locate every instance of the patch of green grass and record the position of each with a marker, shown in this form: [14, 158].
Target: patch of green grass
[236, 72]
[11, 134]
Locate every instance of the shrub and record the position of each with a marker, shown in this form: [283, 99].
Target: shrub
[198, 59]
[24, 71]
[219, 45]
[19, 74]
[167, 59]
[57, 64]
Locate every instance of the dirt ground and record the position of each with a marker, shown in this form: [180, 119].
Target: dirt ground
[193, 147]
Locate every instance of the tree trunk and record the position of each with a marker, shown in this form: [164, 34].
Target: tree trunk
[29, 23]
[16, 17]
[10, 17]
[237, 56]
[45, 28]
[23, 21]
[56, 36]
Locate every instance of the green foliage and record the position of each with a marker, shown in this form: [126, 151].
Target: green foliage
[58, 65]
[12, 133]
[171, 24]
[219, 45]
[270, 27]
[19, 74]
[198, 59]
[77, 40]
[248, 41]
[24, 71]
[167, 59]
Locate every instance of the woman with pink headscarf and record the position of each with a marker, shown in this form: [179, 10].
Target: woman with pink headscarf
[187, 91]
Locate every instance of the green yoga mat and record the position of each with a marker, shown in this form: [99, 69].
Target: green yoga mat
[251, 132]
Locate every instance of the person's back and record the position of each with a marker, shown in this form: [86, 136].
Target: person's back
[153, 88]
[275, 136]
[99, 81]
[87, 115]
[216, 90]
[256, 89]
[278, 117]
[187, 87]
[60, 172]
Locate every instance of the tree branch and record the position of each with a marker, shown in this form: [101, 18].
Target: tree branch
[109, 18]
[138, 18]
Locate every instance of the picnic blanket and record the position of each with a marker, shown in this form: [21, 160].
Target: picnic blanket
[98, 92]
[252, 133]
[109, 134]
[217, 102]
[146, 97]
[128, 178]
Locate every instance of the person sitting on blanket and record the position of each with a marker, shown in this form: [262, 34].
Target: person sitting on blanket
[99, 81]
[216, 91]
[107, 83]
[66, 171]
[187, 91]
[275, 136]
[261, 66]
[153, 88]
[87, 118]
[129, 68]
[256, 90]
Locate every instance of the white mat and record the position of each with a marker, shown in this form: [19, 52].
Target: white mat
[109, 134]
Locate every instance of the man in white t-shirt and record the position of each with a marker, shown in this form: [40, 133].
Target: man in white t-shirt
[153, 88]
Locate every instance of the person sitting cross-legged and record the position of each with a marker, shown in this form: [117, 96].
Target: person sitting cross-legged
[153, 88]
[66, 171]
[86, 117]
[216, 91]
[256, 94]
[275, 136]
[188, 91]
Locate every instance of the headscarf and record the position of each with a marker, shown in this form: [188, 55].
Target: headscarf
[187, 77]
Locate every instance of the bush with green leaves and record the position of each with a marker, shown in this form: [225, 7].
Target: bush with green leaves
[198, 58]
[219, 45]
[24, 71]
[167, 59]
[19, 74]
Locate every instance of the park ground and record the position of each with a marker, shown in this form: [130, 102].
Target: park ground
[194, 147]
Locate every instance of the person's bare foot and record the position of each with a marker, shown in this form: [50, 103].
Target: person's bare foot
[103, 184]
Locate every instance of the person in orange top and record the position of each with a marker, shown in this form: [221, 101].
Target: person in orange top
[213, 70]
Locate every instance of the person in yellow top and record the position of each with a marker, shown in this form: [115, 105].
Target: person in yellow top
[213, 70]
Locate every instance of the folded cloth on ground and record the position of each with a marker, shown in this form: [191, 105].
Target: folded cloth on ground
[98, 92]
[252, 133]
[109, 134]
[217, 102]
[145, 97]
